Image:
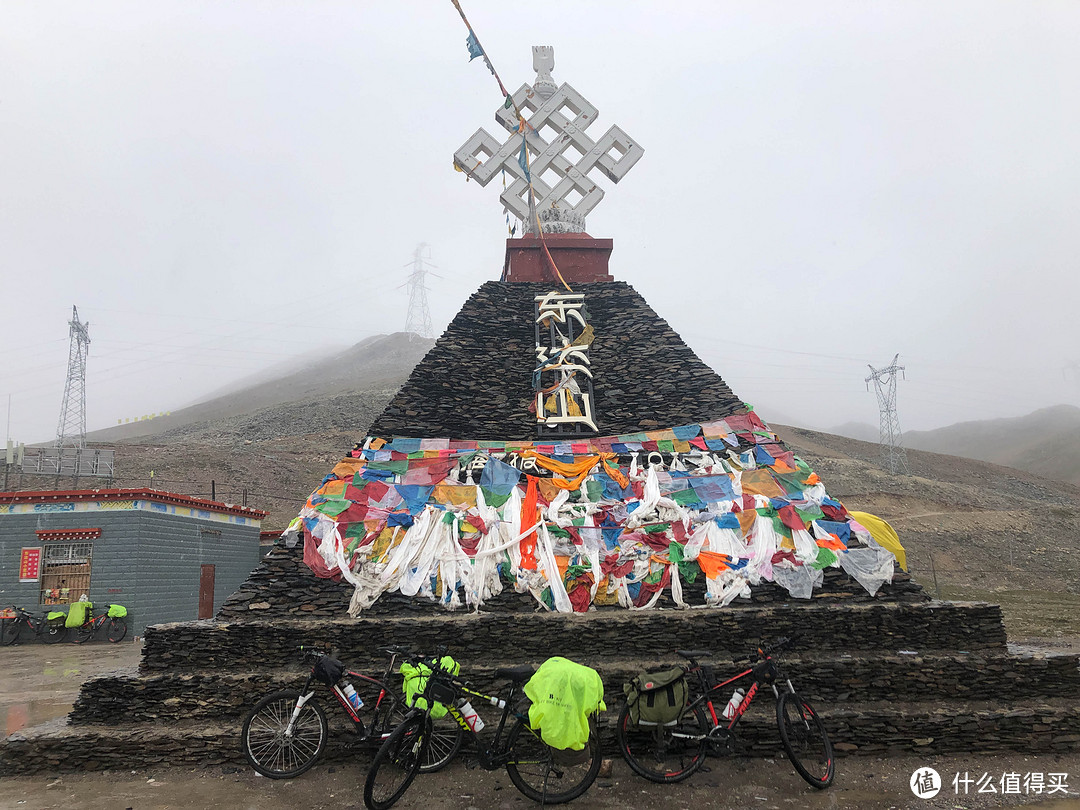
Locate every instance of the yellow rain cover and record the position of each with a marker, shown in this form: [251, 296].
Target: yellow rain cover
[563, 695]
[884, 534]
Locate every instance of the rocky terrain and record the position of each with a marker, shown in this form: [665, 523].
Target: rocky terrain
[972, 529]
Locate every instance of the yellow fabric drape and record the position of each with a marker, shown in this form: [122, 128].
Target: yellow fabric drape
[884, 534]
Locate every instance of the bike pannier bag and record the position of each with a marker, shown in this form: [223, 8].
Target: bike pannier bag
[328, 670]
[56, 617]
[79, 613]
[657, 698]
[117, 611]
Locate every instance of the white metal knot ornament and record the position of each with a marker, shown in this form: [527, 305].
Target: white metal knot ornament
[561, 153]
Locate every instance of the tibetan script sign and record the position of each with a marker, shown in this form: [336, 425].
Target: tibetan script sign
[30, 565]
[563, 375]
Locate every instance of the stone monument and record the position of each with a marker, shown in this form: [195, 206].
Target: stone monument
[562, 475]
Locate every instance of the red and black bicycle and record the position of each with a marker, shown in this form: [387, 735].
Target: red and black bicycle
[670, 752]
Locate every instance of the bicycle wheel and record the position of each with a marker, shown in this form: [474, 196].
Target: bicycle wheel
[546, 775]
[9, 634]
[397, 763]
[52, 633]
[664, 753]
[84, 633]
[266, 746]
[804, 738]
[117, 629]
[445, 741]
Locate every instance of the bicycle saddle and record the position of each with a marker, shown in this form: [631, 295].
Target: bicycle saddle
[516, 674]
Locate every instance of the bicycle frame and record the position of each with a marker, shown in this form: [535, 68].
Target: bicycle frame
[307, 693]
[764, 673]
[493, 756]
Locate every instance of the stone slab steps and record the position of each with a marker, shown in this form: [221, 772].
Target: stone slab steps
[128, 696]
[595, 636]
[884, 727]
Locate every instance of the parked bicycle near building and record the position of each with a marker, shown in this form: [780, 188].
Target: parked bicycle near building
[286, 732]
[542, 773]
[112, 620]
[665, 729]
[49, 628]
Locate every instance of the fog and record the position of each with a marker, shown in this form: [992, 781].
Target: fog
[220, 187]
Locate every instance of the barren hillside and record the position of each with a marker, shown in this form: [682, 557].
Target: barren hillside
[972, 529]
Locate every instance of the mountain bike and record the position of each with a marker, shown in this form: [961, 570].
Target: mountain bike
[15, 619]
[672, 752]
[285, 733]
[116, 627]
[543, 774]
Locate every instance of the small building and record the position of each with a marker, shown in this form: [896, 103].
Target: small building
[163, 556]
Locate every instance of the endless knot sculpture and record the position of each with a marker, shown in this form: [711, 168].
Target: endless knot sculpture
[561, 153]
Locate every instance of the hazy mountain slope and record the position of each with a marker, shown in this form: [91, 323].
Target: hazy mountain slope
[863, 431]
[1046, 442]
[379, 363]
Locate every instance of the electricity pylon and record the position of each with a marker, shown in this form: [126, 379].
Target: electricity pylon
[71, 431]
[891, 440]
[418, 319]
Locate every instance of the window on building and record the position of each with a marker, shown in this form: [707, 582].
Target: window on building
[65, 572]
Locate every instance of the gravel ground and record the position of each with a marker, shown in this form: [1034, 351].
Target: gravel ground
[862, 783]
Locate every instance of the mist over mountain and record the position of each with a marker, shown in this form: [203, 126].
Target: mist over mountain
[376, 364]
[1045, 442]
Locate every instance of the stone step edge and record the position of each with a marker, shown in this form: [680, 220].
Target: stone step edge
[58, 747]
[793, 661]
[868, 712]
[613, 616]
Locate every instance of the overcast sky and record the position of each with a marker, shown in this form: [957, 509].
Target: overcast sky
[223, 186]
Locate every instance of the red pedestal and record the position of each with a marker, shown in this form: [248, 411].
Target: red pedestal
[579, 257]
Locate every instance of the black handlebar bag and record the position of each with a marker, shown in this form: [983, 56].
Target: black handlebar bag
[328, 670]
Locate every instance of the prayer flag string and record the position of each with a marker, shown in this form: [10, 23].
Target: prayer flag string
[472, 42]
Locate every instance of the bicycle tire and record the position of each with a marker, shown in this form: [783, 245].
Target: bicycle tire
[805, 740]
[396, 763]
[535, 768]
[656, 753]
[84, 633]
[9, 633]
[444, 743]
[53, 633]
[116, 630]
[263, 741]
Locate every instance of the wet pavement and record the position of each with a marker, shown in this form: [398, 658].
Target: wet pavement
[41, 681]
[862, 783]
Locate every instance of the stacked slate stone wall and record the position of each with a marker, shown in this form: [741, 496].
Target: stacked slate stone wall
[217, 696]
[532, 637]
[476, 383]
[284, 587]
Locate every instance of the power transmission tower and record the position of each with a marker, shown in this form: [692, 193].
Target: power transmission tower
[71, 432]
[891, 439]
[418, 319]
[1071, 369]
